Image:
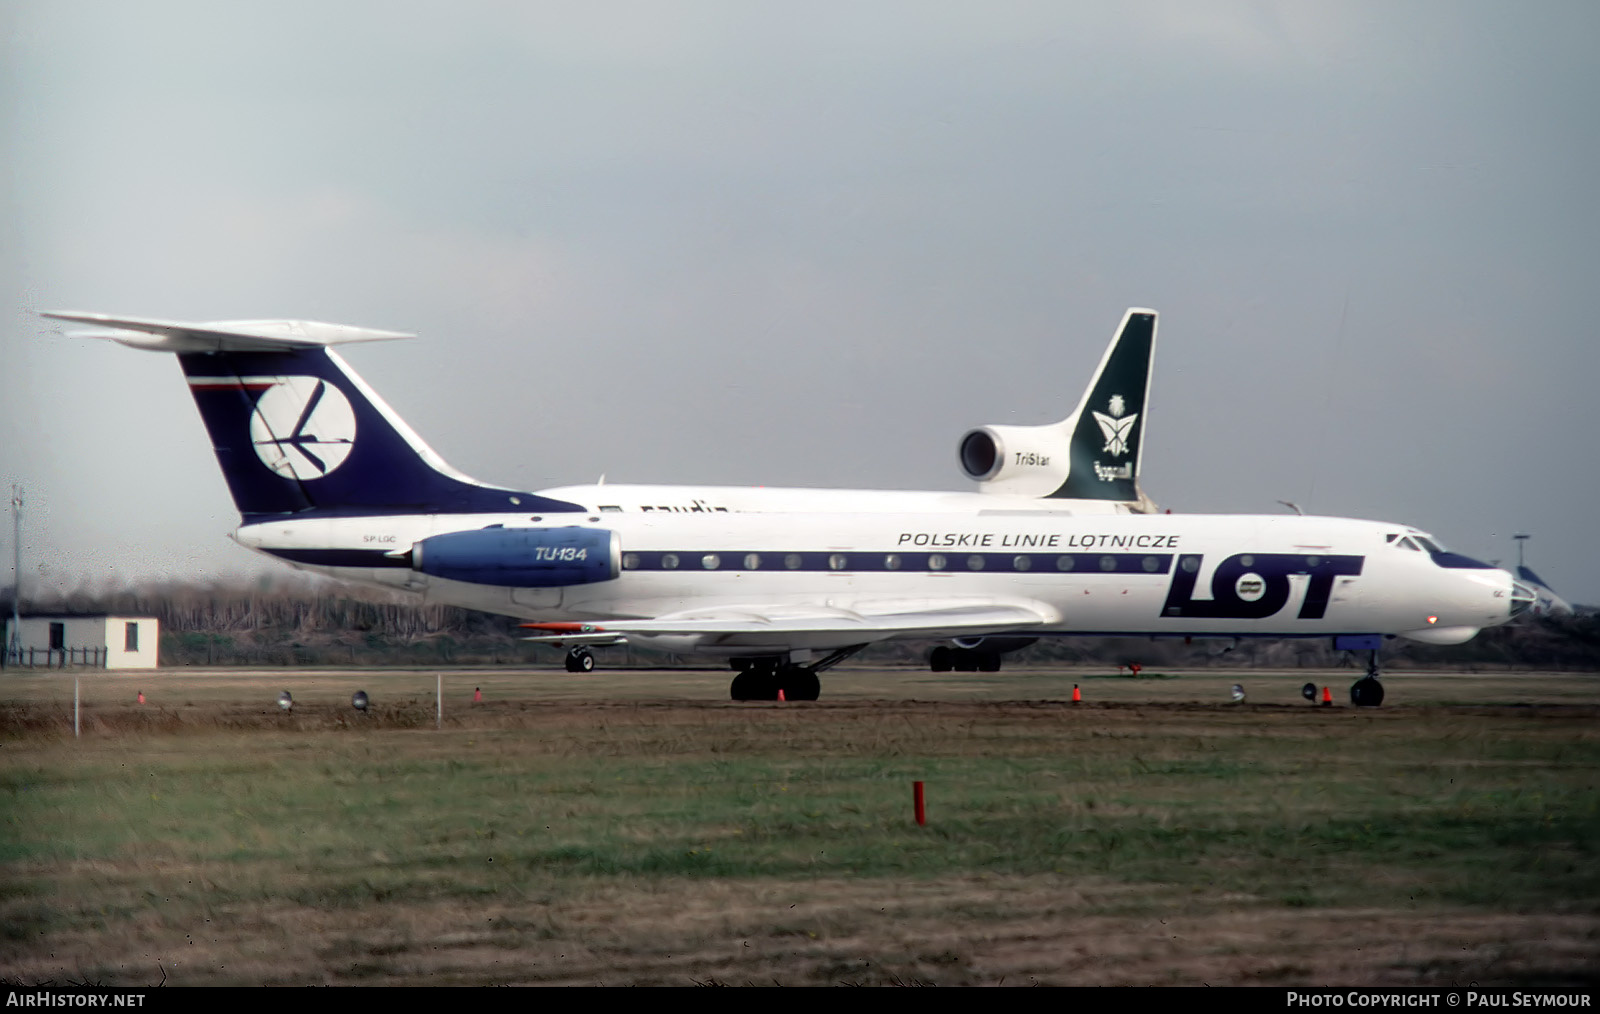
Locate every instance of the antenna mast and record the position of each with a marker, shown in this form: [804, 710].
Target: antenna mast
[14, 638]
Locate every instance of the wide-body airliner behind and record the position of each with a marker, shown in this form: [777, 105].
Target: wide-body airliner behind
[1088, 463]
[327, 477]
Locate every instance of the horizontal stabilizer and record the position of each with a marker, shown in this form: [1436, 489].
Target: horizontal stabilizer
[225, 335]
[296, 430]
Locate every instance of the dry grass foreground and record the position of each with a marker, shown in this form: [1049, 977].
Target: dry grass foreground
[635, 829]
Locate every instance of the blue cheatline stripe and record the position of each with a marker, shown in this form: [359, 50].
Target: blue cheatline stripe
[750, 561]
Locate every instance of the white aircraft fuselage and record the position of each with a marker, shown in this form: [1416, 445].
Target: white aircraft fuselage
[1160, 575]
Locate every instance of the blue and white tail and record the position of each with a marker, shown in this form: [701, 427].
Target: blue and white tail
[296, 430]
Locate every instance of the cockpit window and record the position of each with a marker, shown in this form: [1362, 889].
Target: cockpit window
[1406, 543]
[1430, 545]
[1391, 537]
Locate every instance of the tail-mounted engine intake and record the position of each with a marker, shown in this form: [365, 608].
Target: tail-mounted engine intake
[1019, 460]
[521, 557]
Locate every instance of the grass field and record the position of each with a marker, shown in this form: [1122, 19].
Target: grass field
[636, 828]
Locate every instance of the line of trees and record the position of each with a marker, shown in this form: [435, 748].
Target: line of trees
[305, 621]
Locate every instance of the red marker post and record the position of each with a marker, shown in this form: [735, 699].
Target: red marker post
[916, 797]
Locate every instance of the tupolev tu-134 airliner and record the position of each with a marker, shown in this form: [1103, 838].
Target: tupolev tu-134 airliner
[327, 477]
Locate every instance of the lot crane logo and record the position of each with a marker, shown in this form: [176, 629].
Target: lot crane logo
[303, 427]
[1116, 427]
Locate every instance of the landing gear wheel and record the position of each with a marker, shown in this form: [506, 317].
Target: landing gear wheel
[939, 659]
[988, 661]
[770, 675]
[754, 684]
[799, 683]
[580, 660]
[1366, 692]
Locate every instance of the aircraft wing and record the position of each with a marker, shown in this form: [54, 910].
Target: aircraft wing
[570, 634]
[794, 627]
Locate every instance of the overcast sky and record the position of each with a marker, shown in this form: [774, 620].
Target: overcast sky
[812, 244]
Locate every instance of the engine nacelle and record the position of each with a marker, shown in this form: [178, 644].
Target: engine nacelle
[521, 557]
[1017, 460]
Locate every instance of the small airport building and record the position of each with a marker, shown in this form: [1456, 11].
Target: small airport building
[103, 642]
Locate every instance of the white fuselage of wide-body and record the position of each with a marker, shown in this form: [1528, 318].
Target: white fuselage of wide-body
[611, 498]
[1181, 575]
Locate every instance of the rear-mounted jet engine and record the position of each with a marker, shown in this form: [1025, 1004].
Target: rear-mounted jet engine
[521, 557]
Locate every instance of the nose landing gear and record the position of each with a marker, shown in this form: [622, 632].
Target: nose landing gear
[1367, 692]
[580, 660]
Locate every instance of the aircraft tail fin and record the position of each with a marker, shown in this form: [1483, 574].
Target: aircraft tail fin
[1107, 427]
[296, 430]
[1092, 454]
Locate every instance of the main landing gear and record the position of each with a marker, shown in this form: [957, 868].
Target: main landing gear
[762, 677]
[1367, 692]
[580, 660]
[944, 659]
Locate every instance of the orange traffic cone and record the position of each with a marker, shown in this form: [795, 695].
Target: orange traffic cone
[1077, 698]
[141, 697]
[477, 695]
[780, 695]
[1327, 698]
